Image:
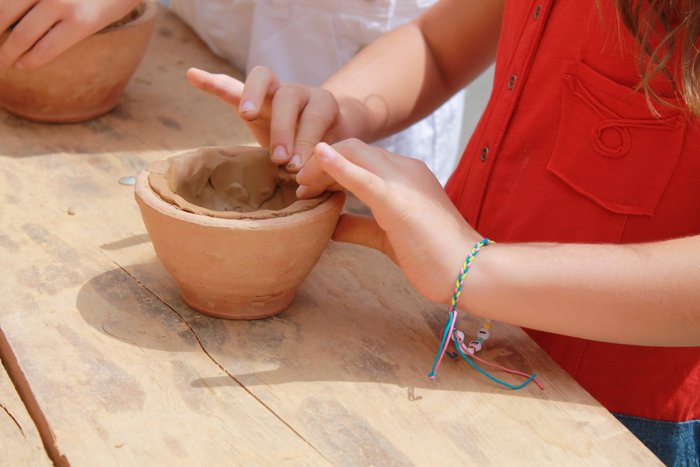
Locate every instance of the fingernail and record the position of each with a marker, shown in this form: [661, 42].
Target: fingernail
[295, 162]
[247, 106]
[279, 154]
[324, 151]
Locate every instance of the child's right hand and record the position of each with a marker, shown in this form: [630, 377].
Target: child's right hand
[44, 29]
[416, 223]
[288, 118]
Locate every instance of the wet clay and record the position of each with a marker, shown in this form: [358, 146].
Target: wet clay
[133, 15]
[228, 183]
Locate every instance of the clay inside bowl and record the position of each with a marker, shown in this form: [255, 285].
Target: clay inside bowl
[133, 15]
[233, 183]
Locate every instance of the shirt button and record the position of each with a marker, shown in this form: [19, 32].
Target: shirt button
[536, 13]
[511, 81]
[484, 153]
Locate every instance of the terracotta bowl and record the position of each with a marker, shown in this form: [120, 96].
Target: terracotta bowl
[226, 224]
[87, 80]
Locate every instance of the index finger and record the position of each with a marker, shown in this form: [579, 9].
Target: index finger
[32, 27]
[260, 84]
[224, 87]
[10, 12]
[316, 120]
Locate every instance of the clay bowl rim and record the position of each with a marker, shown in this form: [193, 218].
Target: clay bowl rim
[143, 190]
[150, 11]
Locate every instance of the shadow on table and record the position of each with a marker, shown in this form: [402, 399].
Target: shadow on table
[348, 322]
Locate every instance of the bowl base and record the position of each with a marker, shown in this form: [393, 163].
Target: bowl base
[78, 116]
[231, 306]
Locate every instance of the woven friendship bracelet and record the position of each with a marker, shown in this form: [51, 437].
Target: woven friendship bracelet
[447, 334]
[465, 269]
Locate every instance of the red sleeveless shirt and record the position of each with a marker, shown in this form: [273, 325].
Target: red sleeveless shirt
[568, 151]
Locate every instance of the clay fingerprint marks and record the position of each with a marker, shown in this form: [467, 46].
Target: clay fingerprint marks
[243, 184]
[229, 192]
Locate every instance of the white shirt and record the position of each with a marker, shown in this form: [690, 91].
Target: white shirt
[306, 41]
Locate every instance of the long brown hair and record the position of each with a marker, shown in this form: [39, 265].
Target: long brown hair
[662, 29]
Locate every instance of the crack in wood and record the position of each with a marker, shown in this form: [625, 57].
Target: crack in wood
[221, 367]
[9, 414]
[24, 390]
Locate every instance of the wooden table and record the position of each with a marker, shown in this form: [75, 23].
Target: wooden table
[110, 367]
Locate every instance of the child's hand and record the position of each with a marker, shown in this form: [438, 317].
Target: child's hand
[46, 28]
[288, 118]
[416, 223]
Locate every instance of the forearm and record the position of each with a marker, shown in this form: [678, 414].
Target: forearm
[407, 73]
[645, 294]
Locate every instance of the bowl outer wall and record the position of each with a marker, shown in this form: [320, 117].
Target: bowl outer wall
[248, 258]
[72, 88]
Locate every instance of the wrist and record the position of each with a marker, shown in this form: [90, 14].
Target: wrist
[496, 276]
[353, 121]
[465, 269]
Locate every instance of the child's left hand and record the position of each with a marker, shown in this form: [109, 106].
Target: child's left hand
[416, 223]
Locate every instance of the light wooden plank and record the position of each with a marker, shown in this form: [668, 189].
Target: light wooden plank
[346, 365]
[110, 365]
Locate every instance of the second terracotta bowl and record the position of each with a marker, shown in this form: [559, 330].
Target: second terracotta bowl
[85, 81]
[225, 223]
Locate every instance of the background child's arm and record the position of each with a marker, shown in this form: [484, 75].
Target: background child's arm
[406, 74]
[391, 83]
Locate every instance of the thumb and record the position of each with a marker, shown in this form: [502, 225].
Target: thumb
[356, 170]
[224, 87]
[363, 230]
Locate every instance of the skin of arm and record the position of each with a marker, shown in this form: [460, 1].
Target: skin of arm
[406, 74]
[641, 294]
[391, 83]
[44, 29]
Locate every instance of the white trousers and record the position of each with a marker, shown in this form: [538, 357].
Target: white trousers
[306, 41]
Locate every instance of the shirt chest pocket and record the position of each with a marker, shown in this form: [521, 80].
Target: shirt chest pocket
[609, 148]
